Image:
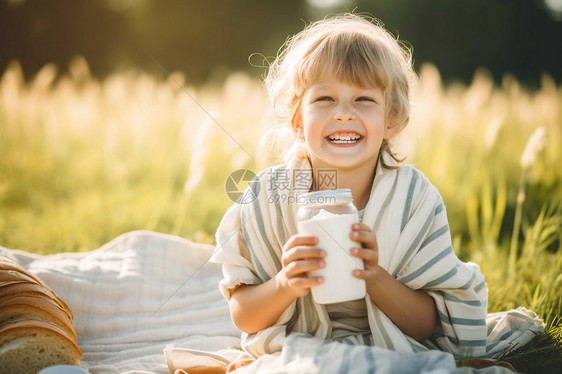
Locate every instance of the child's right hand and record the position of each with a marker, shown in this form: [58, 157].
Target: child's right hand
[300, 256]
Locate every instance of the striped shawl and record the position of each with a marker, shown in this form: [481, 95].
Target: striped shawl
[409, 219]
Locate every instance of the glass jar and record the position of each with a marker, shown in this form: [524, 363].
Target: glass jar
[333, 201]
[328, 215]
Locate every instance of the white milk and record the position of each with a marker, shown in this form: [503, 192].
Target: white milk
[333, 232]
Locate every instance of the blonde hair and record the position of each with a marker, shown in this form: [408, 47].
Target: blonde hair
[355, 49]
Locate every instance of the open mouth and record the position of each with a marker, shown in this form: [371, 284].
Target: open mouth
[349, 138]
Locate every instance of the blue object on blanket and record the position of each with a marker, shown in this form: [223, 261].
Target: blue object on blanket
[63, 369]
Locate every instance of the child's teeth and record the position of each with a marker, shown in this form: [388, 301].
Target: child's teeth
[344, 139]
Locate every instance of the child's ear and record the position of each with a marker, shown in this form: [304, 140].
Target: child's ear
[297, 129]
[296, 123]
[391, 130]
[300, 133]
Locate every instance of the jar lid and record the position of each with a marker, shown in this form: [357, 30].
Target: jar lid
[325, 196]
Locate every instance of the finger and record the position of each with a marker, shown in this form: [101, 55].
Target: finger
[301, 253]
[306, 282]
[367, 254]
[359, 226]
[295, 268]
[361, 274]
[297, 240]
[367, 238]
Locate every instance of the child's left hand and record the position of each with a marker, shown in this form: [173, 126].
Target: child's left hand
[369, 250]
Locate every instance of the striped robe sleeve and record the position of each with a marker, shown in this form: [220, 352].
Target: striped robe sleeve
[232, 251]
[248, 244]
[458, 288]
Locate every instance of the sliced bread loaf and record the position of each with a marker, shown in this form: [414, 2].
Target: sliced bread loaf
[36, 326]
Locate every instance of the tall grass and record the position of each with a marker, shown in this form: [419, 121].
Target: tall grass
[84, 160]
[493, 152]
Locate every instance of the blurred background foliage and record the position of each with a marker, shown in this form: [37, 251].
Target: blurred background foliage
[206, 39]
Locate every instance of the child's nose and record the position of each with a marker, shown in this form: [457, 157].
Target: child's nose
[344, 114]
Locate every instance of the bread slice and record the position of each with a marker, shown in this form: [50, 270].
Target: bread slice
[9, 265]
[22, 308]
[26, 347]
[11, 271]
[9, 290]
[8, 275]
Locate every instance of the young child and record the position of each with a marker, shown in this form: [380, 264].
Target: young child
[341, 86]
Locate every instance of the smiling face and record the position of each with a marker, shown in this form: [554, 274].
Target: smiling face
[343, 125]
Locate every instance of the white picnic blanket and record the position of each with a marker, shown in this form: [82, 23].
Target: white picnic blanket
[146, 292]
[134, 296]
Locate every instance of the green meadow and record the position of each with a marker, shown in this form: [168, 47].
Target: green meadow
[84, 160]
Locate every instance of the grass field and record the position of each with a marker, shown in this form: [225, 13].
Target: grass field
[83, 161]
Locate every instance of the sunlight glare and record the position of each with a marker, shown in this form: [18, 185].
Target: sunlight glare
[324, 4]
[554, 7]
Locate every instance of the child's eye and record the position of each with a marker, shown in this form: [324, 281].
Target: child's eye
[324, 98]
[366, 98]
